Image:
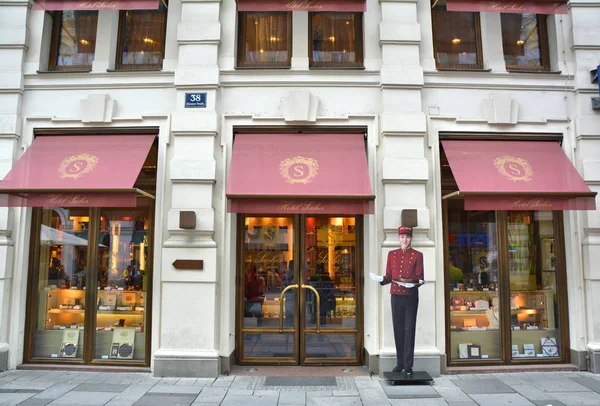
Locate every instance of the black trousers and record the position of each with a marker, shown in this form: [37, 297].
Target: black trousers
[404, 317]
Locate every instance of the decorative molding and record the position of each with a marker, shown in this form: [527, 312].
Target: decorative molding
[300, 106]
[501, 109]
[97, 108]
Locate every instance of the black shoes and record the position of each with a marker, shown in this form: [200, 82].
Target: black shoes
[408, 374]
[398, 369]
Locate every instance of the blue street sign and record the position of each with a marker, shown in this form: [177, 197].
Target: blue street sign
[195, 100]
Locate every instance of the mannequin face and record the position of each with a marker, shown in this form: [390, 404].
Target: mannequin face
[405, 240]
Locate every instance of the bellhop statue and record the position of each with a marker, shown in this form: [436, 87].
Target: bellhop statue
[405, 269]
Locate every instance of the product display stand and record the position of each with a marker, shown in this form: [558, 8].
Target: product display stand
[418, 378]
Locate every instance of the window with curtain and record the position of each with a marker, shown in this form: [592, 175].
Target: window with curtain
[524, 41]
[456, 38]
[264, 40]
[336, 40]
[142, 38]
[73, 40]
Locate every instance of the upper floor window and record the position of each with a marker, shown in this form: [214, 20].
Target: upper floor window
[264, 40]
[141, 43]
[456, 38]
[525, 42]
[73, 40]
[336, 40]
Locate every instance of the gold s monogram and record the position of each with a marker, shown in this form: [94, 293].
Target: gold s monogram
[76, 166]
[514, 168]
[269, 234]
[299, 169]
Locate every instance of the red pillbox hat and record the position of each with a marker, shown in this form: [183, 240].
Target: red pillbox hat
[405, 230]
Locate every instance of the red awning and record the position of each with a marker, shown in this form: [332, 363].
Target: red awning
[355, 6]
[77, 171]
[516, 175]
[82, 5]
[299, 173]
[503, 6]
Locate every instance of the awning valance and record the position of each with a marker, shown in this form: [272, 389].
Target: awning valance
[77, 171]
[299, 173]
[506, 6]
[303, 5]
[82, 5]
[516, 175]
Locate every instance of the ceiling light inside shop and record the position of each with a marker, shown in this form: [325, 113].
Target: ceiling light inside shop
[273, 39]
[84, 42]
[520, 42]
[456, 40]
[148, 40]
[332, 39]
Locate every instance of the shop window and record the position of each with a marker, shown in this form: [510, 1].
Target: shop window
[141, 43]
[336, 40]
[73, 40]
[264, 40]
[456, 38]
[525, 42]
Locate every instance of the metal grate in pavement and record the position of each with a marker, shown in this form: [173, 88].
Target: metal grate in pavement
[303, 383]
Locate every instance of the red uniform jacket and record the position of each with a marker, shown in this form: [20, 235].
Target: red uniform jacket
[406, 265]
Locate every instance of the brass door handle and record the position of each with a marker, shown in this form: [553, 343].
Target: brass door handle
[295, 286]
[318, 311]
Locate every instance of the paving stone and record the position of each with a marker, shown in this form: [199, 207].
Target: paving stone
[204, 382]
[559, 385]
[161, 399]
[452, 394]
[321, 393]
[190, 390]
[36, 402]
[121, 400]
[186, 381]
[419, 402]
[531, 392]
[344, 393]
[211, 394]
[410, 390]
[329, 401]
[589, 383]
[292, 398]
[484, 386]
[267, 400]
[500, 399]
[463, 403]
[26, 385]
[84, 398]
[55, 391]
[11, 399]
[100, 387]
[551, 402]
[577, 398]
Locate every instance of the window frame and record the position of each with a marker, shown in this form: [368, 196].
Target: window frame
[544, 48]
[119, 65]
[241, 63]
[53, 65]
[479, 47]
[359, 45]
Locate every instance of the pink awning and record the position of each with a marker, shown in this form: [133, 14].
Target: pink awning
[355, 6]
[77, 171]
[81, 5]
[504, 6]
[299, 173]
[516, 175]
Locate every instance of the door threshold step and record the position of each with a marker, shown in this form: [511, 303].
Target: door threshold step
[295, 370]
[83, 368]
[491, 369]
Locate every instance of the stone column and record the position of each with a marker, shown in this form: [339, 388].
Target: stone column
[186, 300]
[405, 170]
[13, 45]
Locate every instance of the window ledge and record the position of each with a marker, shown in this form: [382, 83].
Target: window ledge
[62, 72]
[557, 72]
[263, 67]
[462, 70]
[134, 70]
[336, 68]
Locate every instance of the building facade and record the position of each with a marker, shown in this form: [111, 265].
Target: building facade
[254, 161]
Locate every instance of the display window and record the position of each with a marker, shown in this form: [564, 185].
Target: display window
[89, 281]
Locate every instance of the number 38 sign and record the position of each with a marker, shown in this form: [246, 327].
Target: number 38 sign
[195, 100]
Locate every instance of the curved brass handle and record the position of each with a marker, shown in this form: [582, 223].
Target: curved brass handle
[281, 305]
[318, 311]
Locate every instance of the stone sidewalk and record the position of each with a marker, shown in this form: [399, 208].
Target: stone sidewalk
[42, 387]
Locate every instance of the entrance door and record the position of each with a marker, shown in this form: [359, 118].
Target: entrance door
[299, 295]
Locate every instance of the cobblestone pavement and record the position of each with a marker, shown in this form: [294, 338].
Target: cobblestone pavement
[42, 387]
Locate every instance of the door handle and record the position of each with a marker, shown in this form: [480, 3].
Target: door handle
[318, 310]
[281, 298]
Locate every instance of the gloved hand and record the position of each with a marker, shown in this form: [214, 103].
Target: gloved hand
[375, 277]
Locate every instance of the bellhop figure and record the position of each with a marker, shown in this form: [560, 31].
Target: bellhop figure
[405, 269]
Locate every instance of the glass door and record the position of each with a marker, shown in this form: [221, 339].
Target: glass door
[299, 291]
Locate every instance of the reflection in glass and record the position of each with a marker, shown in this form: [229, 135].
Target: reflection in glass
[264, 39]
[521, 41]
[473, 283]
[63, 255]
[122, 284]
[268, 345]
[330, 346]
[533, 285]
[76, 39]
[456, 40]
[336, 39]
